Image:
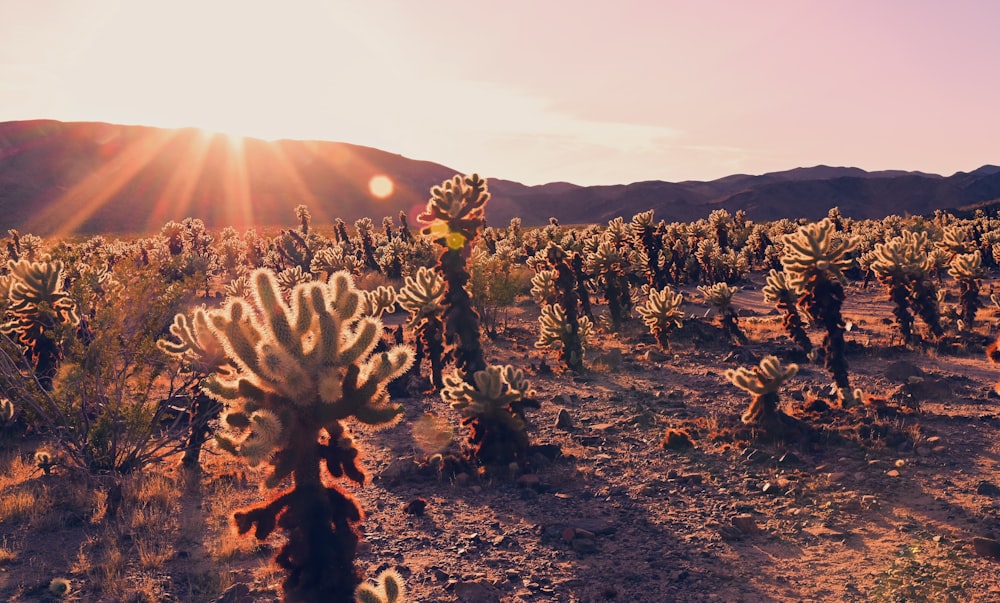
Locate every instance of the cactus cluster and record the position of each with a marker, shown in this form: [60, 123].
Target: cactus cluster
[903, 265]
[967, 269]
[777, 291]
[421, 296]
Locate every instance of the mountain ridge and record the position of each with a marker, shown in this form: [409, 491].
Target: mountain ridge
[93, 177]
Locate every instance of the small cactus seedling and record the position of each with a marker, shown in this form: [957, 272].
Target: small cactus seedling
[388, 588]
[491, 408]
[455, 215]
[720, 296]
[662, 312]
[421, 296]
[967, 269]
[814, 261]
[762, 383]
[779, 292]
[302, 370]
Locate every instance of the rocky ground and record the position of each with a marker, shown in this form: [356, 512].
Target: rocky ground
[895, 501]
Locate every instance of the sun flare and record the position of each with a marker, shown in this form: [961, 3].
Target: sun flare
[381, 186]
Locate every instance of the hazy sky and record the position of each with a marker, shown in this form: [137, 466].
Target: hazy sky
[534, 90]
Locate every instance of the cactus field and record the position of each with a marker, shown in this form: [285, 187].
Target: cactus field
[461, 411]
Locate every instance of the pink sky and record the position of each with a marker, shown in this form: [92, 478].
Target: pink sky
[534, 91]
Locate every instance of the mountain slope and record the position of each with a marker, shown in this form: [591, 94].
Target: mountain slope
[61, 178]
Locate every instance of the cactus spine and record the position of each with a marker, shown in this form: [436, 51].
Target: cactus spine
[302, 370]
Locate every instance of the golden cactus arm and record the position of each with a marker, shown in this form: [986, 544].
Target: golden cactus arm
[365, 338]
[275, 312]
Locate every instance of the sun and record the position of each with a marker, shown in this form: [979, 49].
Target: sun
[381, 186]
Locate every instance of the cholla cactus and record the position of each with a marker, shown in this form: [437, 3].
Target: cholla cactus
[967, 269]
[202, 355]
[543, 287]
[779, 292]
[955, 241]
[611, 266]
[454, 217]
[556, 332]
[421, 296]
[762, 383]
[289, 278]
[903, 265]
[814, 261]
[491, 407]
[37, 305]
[388, 588]
[302, 370]
[720, 296]
[661, 312]
[379, 301]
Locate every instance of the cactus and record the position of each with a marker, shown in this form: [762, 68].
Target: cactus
[720, 296]
[202, 355]
[903, 265]
[814, 262]
[388, 588]
[557, 332]
[661, 312]
[967, 269]
[421, 296]
[455, 216]
[302, 370]
[610, 267]
[778, 291]
[491, 408]
[38, 305]
[762, 383]
[378, 301]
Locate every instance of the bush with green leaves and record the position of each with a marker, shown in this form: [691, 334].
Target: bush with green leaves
[815, 259]
[303, 369]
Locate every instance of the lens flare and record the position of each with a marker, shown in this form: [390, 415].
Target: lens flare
[381, 186]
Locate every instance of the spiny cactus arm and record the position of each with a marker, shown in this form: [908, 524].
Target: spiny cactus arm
[388, 588]
[379, 301]
[196, 343]
[461, 199]
[344, 298]
[967, 266]
[719, 295]
[763, 379]
[238, 335]
[361, 340]
[275, 312]
[778, 288]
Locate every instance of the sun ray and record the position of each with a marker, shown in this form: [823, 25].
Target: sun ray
[179, 192]
[237, 204]
[78, 204]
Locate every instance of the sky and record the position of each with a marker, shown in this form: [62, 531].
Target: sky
[584, 91]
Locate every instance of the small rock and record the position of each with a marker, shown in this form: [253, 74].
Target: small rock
[986, 547]
[584, 545]
[837, 477]
[400, 469]
[237, 593]
[476, 592]
[745, 523]
[564, 421]
[655, 355]
[417, 507]
[892, 473]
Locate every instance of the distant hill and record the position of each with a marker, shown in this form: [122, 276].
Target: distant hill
[86, 178]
